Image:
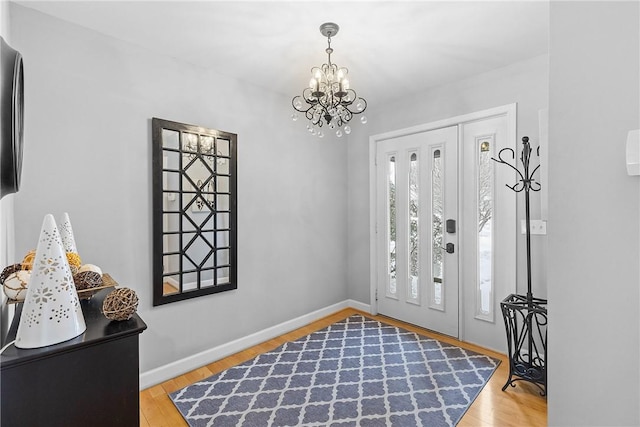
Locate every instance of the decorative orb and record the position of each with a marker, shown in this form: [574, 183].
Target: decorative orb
[320, 134]
[15, 285]
[347, 129]
[359, 106]
[313, 131]
[120, 304]
[339, 133]
[363, 119]
[87, 280]
[294, 117]
[297, 104]
[27, 261]
[90, 267]
[8, 270]
[74, 259]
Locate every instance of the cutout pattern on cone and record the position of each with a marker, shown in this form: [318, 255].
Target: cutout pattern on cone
[66, 234]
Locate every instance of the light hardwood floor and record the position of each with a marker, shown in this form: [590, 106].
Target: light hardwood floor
[519, 406]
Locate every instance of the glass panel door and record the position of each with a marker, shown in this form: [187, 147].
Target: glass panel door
[417, 192]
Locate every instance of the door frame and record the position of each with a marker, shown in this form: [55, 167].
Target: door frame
[510, 111]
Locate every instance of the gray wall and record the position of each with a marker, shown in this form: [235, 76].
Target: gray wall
[594, 215]
[6, 203]
[525, 83]
[89, 101]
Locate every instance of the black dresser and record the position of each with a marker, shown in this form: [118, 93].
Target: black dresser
[91, 380]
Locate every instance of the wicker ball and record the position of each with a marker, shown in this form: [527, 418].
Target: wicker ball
[15, 286]
[90, 267]
[87, 280]
[27, 261]
[8, 270]
[74, 259]
[120, 304]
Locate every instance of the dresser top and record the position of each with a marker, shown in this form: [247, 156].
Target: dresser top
[99, 330]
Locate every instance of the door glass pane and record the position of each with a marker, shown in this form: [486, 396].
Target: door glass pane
[391, 204]
[413, 295]
[437, 238]
[485, 235]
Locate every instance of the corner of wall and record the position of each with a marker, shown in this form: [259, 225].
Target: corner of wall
[6, 207]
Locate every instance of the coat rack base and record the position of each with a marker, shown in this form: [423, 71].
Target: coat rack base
[525, 319]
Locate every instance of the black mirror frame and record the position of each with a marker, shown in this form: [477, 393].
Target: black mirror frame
[158, 125]
[12, 118]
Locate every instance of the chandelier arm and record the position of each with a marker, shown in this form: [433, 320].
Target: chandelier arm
[311, 117]
[364, 101]
[301, 110]
[306, 97]
[353, 98]
[347, 115]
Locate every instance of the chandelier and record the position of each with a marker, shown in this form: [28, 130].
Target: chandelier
[329, 99]
[193, 148]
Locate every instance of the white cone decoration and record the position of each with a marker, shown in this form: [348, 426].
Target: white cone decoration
[51, 313]
[66, 233]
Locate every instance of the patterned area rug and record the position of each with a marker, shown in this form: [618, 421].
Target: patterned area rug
[356, 372]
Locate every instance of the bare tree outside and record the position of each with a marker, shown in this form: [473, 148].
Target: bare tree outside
[485, 196]
[392, 221]
[437, 209]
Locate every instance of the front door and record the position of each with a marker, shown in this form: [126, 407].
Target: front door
[416, 229]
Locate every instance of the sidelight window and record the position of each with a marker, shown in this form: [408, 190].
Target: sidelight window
[436, 297]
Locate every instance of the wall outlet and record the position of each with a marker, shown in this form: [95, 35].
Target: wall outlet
[538, 226]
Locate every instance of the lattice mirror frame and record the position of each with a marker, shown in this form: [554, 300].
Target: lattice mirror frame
[194, 211]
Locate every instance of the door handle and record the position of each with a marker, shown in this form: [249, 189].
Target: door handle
[449, 248]
[451, 226]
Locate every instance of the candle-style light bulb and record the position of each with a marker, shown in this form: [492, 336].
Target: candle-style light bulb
[345, 84]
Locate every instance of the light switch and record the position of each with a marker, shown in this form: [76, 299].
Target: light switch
[538, 226]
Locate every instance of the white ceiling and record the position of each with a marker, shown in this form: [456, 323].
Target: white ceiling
[390, 48]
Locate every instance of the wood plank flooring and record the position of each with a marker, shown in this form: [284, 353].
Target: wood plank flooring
[518, 406]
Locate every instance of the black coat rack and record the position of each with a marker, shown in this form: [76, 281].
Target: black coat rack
[525, 317]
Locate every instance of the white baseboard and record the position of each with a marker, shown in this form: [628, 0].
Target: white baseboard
[179, 367]
[359, 305]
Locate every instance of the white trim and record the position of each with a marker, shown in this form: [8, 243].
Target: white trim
[508, 110]
[453, 121]
[179, 367]
[373, 227]
[359, 305]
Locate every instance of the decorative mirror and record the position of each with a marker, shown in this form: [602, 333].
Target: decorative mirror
[11, 118]
[194, 211]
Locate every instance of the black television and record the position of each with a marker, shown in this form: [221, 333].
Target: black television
[11, 117]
